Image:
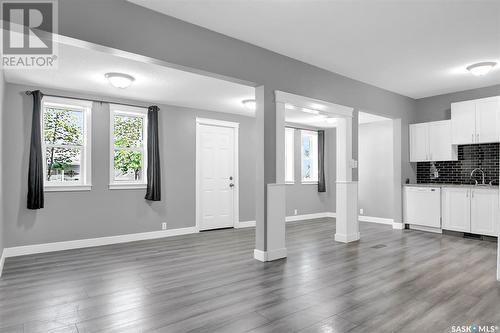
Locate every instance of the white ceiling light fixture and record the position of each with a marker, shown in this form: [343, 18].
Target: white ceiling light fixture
[481, 68]
[119, 80]
[310, 111]
[250, 104]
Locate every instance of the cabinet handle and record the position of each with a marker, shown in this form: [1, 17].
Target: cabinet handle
[472, 137]
[472, 194]
[477, 137]
[466, 194]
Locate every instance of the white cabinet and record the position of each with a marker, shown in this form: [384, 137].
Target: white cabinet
[419, 142]
[488, 120]
[456, 209]
[422, 206]
[485, 212]
[476, 121]
[432, 142]
[473, 210]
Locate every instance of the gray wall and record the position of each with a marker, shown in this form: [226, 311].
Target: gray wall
[120, 24]
[305, 197]
[438, 107]
[376, 169]
[103, 212]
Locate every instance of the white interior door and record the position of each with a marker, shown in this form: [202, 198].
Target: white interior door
[217, 189]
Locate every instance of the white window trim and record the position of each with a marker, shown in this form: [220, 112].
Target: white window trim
[302, 134]
[86, 149]
[288, 181]
[134, 111]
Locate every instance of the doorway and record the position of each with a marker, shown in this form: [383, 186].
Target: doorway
[217, 189]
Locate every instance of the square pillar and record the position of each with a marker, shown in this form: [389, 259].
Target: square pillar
[347, 224]
[270, 241]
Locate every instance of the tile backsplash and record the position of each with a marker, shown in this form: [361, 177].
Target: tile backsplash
[484, 156]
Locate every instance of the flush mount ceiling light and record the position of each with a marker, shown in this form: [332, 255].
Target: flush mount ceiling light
[250, 104]
[310, 111]
[119, 80]
[481, 68]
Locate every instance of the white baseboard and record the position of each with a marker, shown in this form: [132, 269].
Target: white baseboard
[269, 255]
[398, 226]
[90, 242]
[245, 224]
[294, 218]
[2, 261]
[374, 219]
[347, 238]
[428, 229]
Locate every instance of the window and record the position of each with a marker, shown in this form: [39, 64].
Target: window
[128, 139]
[309, 149]
[289, 155]
[66, 144]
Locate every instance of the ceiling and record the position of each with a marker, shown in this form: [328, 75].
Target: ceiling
[412, 47]
[82, 70]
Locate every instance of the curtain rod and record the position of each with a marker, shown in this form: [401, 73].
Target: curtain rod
[28, 92]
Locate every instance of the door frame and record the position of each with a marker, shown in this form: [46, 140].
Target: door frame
[236, 190]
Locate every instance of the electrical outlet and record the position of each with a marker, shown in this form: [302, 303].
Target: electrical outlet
[361, 211]
[295, 212]
[164, 226]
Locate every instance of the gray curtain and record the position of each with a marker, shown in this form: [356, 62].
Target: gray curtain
[35, 170]
[321, 162]
[153, 192]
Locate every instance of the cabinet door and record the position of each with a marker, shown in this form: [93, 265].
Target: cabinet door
[488, 120]
[440, 147]
[419, 143]
[485, 212]
[456, 209]
[463, 122]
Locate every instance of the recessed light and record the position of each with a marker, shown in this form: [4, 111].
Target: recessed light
[119, 80]
[481, 68]
[310, 111]
[250, 104]
[289, 106]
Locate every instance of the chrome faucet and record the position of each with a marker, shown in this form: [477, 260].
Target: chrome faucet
[482, 172]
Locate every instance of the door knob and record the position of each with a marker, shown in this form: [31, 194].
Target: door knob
[231, 185]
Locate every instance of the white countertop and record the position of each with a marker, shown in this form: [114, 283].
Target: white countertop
[493, 187]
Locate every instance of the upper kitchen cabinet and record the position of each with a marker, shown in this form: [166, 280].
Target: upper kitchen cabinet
[432, 142]
[476, 121]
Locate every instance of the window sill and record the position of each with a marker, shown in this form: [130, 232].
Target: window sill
[127, 186]
[67, 188]
[289, 183]
[310, 182]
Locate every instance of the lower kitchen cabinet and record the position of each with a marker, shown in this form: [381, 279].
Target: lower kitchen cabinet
[473, 210]
[456, 209]
[485, 212]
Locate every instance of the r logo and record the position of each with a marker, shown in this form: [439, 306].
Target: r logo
[27, 27]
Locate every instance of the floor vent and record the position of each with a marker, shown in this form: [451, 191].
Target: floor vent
[378, 246]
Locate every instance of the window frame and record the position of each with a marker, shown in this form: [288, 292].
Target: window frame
[85, 150]
[125, 110]
[292, 155]
[315, 161]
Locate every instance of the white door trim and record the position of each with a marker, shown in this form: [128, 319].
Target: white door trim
[236, 201]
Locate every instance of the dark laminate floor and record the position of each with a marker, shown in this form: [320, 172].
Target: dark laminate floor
[391, 281]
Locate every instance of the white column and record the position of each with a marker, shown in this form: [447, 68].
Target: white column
[347, 224]
[397, 178]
